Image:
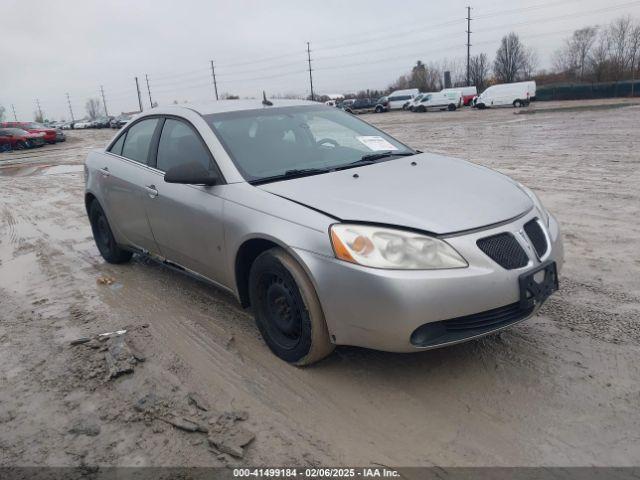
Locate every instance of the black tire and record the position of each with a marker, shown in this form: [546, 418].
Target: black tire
[378, 109]
[287, 309]
[103, 236]
[481, 106]
[517, 103]
[421, 109]
[21, 146]
[451, 107]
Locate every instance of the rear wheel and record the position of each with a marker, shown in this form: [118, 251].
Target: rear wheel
[451, 107]
[517, 103]
[287, 309]
[103, 236]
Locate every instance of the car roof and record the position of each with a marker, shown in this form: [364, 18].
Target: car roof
[221, 106]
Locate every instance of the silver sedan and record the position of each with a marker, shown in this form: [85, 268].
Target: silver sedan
[334, 232]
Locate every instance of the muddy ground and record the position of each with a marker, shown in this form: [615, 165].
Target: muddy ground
[562, 388]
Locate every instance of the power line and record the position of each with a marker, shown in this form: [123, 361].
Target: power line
[148, 90]
[310, 76]
[138, 91]
[104, 101]
[213, 75]
[468, 45]
[70, 109]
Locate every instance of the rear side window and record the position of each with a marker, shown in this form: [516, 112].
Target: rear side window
[138, 140]
[179, 144]
[117, 147]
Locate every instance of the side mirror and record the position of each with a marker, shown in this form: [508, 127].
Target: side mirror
[191, 174]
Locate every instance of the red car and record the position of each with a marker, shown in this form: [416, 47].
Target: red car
[33, 127]
[18, 139]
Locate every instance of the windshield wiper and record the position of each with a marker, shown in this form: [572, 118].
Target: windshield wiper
[373, 158]
[294, 173]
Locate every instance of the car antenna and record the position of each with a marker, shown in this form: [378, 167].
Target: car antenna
[266, 102]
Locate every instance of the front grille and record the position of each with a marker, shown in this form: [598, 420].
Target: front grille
[490, 318]
[460, 328]
[505, 250]
[536, 235]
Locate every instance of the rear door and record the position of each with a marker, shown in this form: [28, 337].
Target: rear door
[127, 181]
[187, 220]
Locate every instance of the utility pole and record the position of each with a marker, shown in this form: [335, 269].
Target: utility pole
[70, 109]
[148, 89]
[15, 117]
[468, 46]
[104, 101]
[138, 90]
[213, 75]
[39, 109]
[310, 76]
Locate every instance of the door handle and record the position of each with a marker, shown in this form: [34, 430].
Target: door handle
[151, 191]
[105, 172]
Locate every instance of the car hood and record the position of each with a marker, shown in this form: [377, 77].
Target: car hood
[438, 194]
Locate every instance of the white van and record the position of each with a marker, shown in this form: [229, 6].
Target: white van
[411, 103]
[398, 98]
[468, 93]
[517, 94]
[439, 101]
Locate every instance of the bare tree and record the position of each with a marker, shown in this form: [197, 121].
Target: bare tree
[2, 110]
[634, 51]
[581, 44]
[37, 116]
[619, 33]
[529, 65]
[511, 58]
[599, 57]
[93, 108]
[479, 70]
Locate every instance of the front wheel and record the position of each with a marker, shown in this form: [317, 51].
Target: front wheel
[287, 309]
[517, 103]
[421, 108]
[378, 109]
[103, 236]
[451, 107]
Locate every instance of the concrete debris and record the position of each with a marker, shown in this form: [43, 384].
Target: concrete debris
[80, 341]
[85, 426]
[227, 436]
[197, 401]
[185, 423]
[119, 358]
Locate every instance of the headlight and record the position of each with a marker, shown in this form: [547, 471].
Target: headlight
[388, 248]
[537, 203]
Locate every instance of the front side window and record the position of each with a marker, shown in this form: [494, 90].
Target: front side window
[116, 148]
[269, 142]
[138, 140]
[179, 144]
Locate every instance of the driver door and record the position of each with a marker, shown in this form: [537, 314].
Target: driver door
[187, 220]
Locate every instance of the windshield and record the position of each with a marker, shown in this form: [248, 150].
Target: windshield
[270, 142]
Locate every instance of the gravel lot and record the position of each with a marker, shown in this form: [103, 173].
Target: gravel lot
[562, 388]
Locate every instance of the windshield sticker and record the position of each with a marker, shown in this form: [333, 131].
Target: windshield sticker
[376, 143]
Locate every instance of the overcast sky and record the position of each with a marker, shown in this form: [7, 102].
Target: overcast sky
[49, 48]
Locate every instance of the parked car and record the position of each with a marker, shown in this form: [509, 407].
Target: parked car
[382, 105]
[361, 105]
[517, 94]
[102, 122]
[33, 127]
[67, 125]
[120, 121]
[334, 232]
[468, 93]
[82, 124]
[438, 101]
[398, 98]
[60, 136]
[18, 139]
